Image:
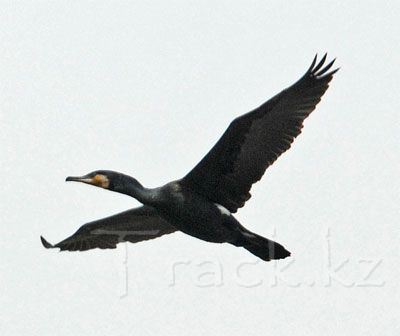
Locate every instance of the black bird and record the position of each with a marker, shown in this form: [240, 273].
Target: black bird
[201, 203]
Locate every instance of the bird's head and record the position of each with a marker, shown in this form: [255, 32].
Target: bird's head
[113, 181]
[106, 179]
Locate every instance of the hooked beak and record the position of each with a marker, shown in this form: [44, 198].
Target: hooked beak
[83, 179]
[98, 180]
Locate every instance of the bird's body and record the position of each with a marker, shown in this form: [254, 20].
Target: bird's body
[193, 214]
[202, 203]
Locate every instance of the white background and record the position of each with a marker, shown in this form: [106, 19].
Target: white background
[146, 88]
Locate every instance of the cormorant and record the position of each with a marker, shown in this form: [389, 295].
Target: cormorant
[201, 203]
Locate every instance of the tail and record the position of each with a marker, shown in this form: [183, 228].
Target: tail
[263, 248]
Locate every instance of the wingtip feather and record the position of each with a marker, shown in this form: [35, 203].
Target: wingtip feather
[320, 64]
[313, 63]
[45, 243]
[319, 70]
[324, 69]
[331, 73]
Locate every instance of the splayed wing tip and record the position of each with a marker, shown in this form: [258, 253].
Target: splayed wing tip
[320, 64]
[320, 70]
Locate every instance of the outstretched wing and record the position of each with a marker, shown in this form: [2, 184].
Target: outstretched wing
[255, 140]
[133, 225]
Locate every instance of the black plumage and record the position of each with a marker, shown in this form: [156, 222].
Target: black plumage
[255, 140]
[134, 225]
[201, 204]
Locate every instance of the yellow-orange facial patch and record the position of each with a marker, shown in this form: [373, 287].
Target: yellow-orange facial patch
[101, 180]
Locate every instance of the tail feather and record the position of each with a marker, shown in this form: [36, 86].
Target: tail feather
[264, 248]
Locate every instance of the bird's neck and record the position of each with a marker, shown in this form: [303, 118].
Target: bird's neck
[133, 188]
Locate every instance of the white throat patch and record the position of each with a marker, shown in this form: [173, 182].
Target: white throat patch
[223, 210]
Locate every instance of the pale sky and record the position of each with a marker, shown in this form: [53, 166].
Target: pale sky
[147, 89]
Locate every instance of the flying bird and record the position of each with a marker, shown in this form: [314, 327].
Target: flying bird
[202, 203]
